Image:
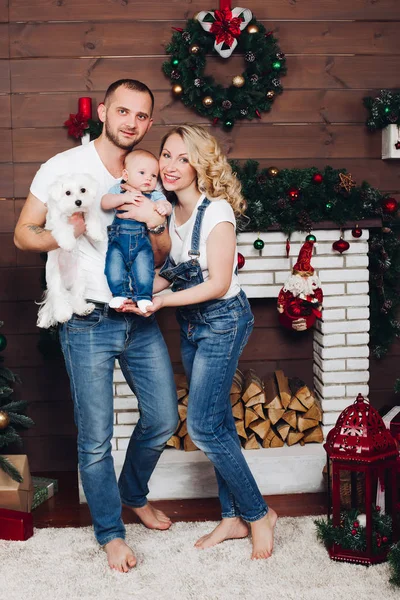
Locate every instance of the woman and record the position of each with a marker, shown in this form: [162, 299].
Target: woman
[215, 320]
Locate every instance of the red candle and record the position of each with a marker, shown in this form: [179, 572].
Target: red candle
[85, 107]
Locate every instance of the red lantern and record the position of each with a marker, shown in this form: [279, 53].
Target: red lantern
[341, 245]
[240, 260]
[317, 178]
[360, 444]
[389, 206]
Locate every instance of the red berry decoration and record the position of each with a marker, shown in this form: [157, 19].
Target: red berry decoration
[341, 245]
[241, 260]
[356, 232]
[356, 524]
[378, 508]
[353, 531]
[294, 194]
[384, 539]
[389, 206]
[317, 178]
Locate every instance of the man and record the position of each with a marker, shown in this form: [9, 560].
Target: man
[92, 343]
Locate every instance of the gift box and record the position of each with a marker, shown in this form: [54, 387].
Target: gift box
[390, 137]
[392, 422]
[44, 488]
[15, 525]
[14, 495]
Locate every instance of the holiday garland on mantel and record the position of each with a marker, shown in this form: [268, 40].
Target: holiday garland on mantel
[224, 31]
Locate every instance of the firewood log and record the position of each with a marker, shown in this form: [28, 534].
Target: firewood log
[251, 443]
[283, 387]
[294, 437]
[260, 427]
[295, 404]
[182, 410]
[175, 442]
[272, 440]
[271, 393]
[314, 435]
[249, 417]
[257, 399]
[235, 398]
[238, 411]
[290, 417]
[275, 414]
[184, 400]
[283, 430]
[237, 383]
[303, 424]
[305, 396]
[240, 429]
[258, 409]
[314, 412]
[188, 444]
[252, 385]
[182, 431]
[181, 381]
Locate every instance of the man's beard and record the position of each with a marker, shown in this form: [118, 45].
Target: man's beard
[110, 135]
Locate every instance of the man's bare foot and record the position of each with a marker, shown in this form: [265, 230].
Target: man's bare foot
[228, 529]
[151, 517]
[262, 532]
[120, 556]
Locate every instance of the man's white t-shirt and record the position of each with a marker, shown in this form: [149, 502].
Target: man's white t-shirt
[82, 159]
[181, 236]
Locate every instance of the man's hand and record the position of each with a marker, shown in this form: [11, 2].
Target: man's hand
[142, 211]
[131, 307]
[79, 224]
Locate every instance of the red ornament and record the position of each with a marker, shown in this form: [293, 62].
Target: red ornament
[76, 125]
[317, 178]
[378, 508]
[341, 245]
[356, 524]
[353, 531]
[85, 107]
[241, 260]
[389, 206]
[294, 194]
[397, 145]
[258, 114]
[356, 232]
[179, 29]
[384, 539]
[215, 121]
[287, 247]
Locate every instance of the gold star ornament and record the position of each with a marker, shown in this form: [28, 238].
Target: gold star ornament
[346, 182]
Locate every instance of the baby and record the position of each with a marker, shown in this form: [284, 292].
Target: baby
[129, 261]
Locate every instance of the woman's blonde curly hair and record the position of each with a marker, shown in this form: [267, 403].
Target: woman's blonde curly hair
[214, 174]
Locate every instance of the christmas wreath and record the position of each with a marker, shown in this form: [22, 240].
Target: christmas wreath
[383, 110]
[225, 31]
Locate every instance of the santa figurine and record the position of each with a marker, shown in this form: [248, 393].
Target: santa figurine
[300, 299]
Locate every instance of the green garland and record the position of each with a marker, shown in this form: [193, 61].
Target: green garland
[349, 535]
[394, 561]
[383, 110]
[298, 199]
[261, 78]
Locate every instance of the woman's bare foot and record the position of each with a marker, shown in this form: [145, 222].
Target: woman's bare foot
[120, 556]
[262, 532]
[151, 517]
[228, 529]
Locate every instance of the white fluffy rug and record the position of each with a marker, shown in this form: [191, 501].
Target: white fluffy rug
[67, 564]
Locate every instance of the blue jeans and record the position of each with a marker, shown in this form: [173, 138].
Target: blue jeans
[129, 261]
[213, 336]
[91, 344]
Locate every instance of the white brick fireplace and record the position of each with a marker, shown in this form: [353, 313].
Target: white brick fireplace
[341, 367]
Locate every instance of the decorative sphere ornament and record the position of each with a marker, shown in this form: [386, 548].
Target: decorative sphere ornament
[194, 49]
[177, 90]
[272, 172]
[252, 29]
[294, 194]
[353, 531]
[3, 342]
[276, 65]
[356, 232]
[270, 94]
[341, 245]
[328, 205]
[311, 238]
[258, 244]
[241, 260]
[4, 420]
[238, 81]
[389, 206]
[207, 101]
[228, 124]
[317, 178]
[175, 62]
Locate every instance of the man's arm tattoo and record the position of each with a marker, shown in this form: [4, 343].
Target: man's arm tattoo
[36, 229]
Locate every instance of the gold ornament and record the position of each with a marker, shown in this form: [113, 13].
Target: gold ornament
[194, 49]
[273, 171]
[270, 94]
[4, 420]
[238, 81]
[252, 29]
[346, 182]
[177, 89]
[207, 101]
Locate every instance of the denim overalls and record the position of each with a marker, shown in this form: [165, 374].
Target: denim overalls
[213, 335]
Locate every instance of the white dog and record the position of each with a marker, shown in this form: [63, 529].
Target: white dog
[65, 292]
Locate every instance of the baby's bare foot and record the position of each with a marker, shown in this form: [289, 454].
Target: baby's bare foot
[120, 556]
[228, 529]
[151, 517]
[262, 532]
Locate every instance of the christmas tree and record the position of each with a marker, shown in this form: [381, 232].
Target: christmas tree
[11, 413]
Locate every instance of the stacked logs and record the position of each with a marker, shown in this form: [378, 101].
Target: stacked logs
[270, 414]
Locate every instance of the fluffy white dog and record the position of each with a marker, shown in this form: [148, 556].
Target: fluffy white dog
[65, 292]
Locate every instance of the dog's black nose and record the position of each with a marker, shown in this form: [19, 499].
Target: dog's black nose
[78, 202]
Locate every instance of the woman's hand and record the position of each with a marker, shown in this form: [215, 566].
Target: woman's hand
[130, 307]
[158, 302]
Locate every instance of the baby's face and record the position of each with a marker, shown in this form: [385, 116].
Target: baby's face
[141, 172]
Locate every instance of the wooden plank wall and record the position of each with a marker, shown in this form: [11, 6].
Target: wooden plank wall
[53, 52]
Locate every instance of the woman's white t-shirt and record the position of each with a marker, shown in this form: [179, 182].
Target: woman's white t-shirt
[218, 211]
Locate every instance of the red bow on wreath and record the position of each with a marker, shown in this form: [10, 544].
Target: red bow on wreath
[225, 27]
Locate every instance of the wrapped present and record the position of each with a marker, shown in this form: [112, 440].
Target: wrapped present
[14, 495]
[15, 525]
[44, 488]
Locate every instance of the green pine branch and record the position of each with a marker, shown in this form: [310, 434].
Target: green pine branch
[394, 562]
[10, 470]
